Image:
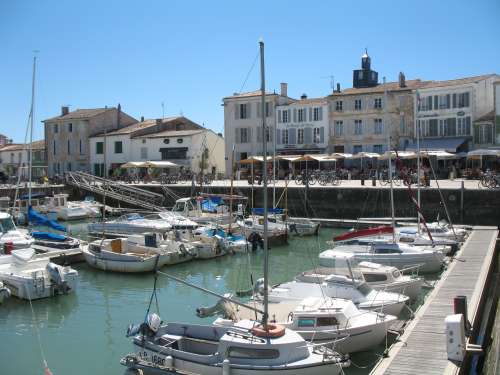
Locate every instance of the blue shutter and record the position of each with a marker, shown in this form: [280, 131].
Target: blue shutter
[295, 115]
[292, 136]
[320, 113]
[321, 134]
[307, 136]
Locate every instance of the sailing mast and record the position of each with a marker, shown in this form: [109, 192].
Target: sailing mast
[231, 193]
[417, 126]
[32, 115]
[390, 163]
[264, 177]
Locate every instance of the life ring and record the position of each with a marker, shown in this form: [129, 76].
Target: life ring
[270, 330]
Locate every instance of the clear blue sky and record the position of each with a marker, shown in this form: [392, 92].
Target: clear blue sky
[190, 54]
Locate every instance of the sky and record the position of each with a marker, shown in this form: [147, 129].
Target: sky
[190, 54]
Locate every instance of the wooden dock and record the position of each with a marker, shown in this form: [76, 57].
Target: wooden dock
[422, 347]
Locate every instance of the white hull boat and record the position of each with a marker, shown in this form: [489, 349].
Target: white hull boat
[4, 292]
[12, 238]
[131, 224]
[277, 233]
[439, 231]
[30, 277]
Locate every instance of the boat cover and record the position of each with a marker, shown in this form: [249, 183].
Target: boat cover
[260, 211]
[39, 219]
[48, 236]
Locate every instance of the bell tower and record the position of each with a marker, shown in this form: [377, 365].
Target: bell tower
[364, 77]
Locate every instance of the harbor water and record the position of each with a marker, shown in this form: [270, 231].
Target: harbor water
[84, 332]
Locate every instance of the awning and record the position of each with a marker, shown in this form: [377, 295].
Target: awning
[367, 155]
[439, 154]
[161, 164]
[255, 159]
[401, 155]
[439, 144]
[135, 164]
[476, 154]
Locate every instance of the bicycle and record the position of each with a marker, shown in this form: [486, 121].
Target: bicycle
[305, 178]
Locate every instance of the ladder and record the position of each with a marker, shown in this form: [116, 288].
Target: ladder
[116, 190]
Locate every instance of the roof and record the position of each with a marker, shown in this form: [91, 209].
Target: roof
[308, 101]
[248, 94]
[489, 117]
[81, 114]
[389, 86]
[36, 145]
[137, 126]
[458, 81]
[172, 133]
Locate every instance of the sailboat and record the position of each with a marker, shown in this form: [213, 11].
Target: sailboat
[258, 348]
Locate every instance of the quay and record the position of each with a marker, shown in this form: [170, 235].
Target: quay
[422, 347]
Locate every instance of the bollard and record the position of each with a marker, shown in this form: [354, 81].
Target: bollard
[362, 181]
[226, 367]
[169, 362]
[460, 307]
[374, 181]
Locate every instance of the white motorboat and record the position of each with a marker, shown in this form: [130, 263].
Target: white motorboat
[320, 320]
[192, 209]
[4, 292]
[339, 286]
[439, 231]
[11, 238]
[206, 247]
[210, 350]
[232, 243]
[377, 276]
[131, 254]
[277, 232]
[31, 277]
[131, 224]
[399, 255]
[58, 206]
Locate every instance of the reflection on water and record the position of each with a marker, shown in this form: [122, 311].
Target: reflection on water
[84, 333]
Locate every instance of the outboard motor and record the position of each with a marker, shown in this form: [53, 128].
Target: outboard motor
[147, 328]
[256, 240]
[4, 293]
[57, 277]
[218, 308]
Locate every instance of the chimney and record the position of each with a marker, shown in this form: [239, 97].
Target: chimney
[64, 110]
[142, 118]
[118, 115]
[283, 89]
[402, 80]
[303, 96]
[338, 87]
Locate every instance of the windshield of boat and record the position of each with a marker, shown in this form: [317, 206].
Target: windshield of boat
[364, 289]
[7, 225]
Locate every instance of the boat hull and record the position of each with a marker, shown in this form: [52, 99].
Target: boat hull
[146, 265]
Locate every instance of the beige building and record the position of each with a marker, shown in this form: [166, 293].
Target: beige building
[15, 157]
[67, 136]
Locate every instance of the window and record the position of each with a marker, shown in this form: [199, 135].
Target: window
[118, 147]
[306, 322]
[358, 127]
[463, 125]
[338, 128]
[483, 133]
[180, 140]
[378, 149]
[316, 114]
[143, 141]
[99, 148]
[285, 116]
[300, 115]
[378, 126]
[374, 277]
[99, 169]
[316, 136]
[144, 152]
[56, 128]
[463, 100]
[356, 149]
[70, 127]
[444, 101]
[327, 321]
[243, 155]
[166, 141]
[425, 103]
[173, 153]
[69, 167]
[357, 105]
[244, 135]
[268, 109]
[433, 128]
[81, 149]
[377, 103]
[252, 353]
[69, 147]
[284, 136]
[243, 111]
[338, 105]
[12, 157]
[54, 147]
[300, 136]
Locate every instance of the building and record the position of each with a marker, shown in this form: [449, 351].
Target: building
[302, 127]
[456, 115]
[175, 139]
[14, 156]
[67, 136]
[497, 112]
[361, 120]
[3, 140]
[243, 123]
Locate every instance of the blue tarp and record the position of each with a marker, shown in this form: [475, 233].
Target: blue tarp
[48, 236]
[38, 219]
[260, 211]
[33, 196]
[209, 205]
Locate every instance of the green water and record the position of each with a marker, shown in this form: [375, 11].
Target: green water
[84, 332]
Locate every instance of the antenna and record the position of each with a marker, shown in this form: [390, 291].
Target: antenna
[332, 81]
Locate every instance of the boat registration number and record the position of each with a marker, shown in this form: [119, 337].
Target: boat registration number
[156, 359]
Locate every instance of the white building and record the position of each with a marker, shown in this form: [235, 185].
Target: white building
[174, 139]
[456, 115]
[243, 123]
[302, 126]
[14, 156]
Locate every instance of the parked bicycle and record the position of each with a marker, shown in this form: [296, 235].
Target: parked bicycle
[305, 178]
[384, 179]
[489, 180]
[204, 179]
[329, 177]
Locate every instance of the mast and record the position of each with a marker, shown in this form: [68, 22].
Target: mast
[417, 126]
[231, 193]
[264, 175]
[32, 114]
[386, 121]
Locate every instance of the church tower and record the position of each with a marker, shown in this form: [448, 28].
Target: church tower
[364, 77]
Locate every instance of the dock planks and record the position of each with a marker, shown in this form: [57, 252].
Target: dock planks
[422, 348]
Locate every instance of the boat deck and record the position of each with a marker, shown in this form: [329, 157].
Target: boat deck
[422, 348]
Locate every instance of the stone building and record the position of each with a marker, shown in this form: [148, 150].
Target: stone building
[242, 122]
[67, 136]
[175, 139]
[15, 156]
